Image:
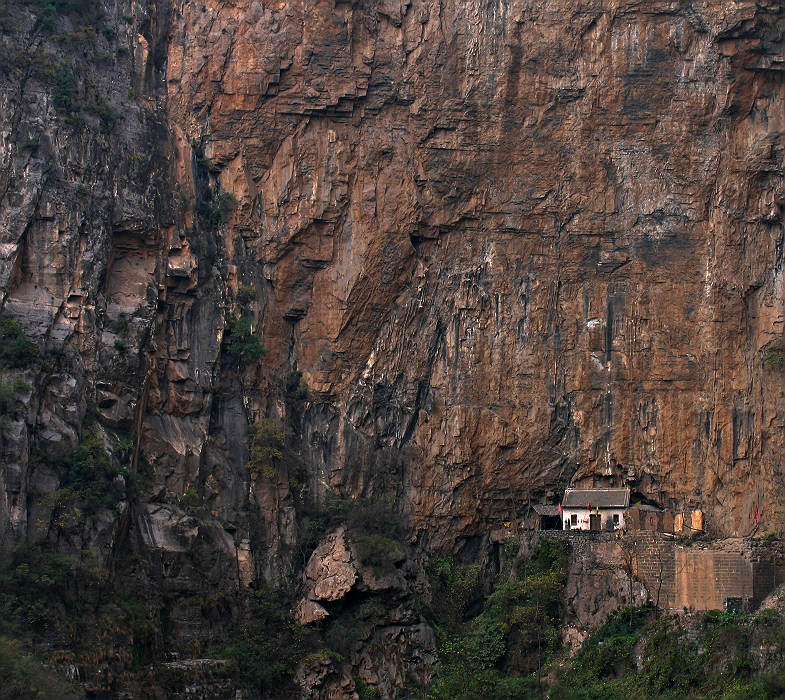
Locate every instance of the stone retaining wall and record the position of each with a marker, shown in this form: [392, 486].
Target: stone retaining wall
[674, 575]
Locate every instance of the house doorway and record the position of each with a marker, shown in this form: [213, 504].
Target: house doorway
[595, 522]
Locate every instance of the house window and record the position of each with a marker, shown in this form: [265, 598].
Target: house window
[615, 518]
[573, 520]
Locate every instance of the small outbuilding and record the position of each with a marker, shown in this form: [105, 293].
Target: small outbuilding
[642, 516]
[547, 516]
[595, 509]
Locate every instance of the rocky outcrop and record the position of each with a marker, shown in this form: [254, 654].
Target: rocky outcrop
[384, 639]
[329, 576]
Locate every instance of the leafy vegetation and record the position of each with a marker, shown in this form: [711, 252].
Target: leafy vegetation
[16, 351]
[302, 393]
[379, 552]
[90, 476]
[774, 357]
[364, 691]
[69, 95]
[241, 342]
[49, 595]
[215, 210]
[10, 393]
[23, 676]
[141, 621]
[269, 646]
[362, 516]
[68, 45]
[498, 652]
[367, 516]
[637, 655]
[245, 294]
[267, 447]
[50, 10]
[190, 499]
[454, 588]
[38, 586]
[322, 656]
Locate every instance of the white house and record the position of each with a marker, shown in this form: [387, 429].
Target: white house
[594, 509]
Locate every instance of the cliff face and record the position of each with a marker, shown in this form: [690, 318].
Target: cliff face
[492, 248]
[84, 144]
[506, 245]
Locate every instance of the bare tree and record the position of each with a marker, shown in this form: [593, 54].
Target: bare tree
[629, 545]
[646, 562]
[629, 548]
[659, 573]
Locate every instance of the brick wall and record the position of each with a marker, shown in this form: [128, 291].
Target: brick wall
[701, 576]
[705, 579]
[655, 566]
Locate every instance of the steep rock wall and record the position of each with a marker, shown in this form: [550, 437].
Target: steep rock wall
[502, 246]
[507, 245]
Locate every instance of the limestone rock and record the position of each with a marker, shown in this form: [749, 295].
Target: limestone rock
[308, 611]
[329, 576]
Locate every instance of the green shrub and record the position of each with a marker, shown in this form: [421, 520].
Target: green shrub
[10, 393]
[495, 652]
[215, 211]
[30, 146]
[65, 90]
[190, 499]
[241, 342]
[24, 676]
[39, 586]
[142, 620]
[774, 357]
[454, 588]
[88, 483]
[302, 392]
[364, 691]
[16, 351]
[269, 646]
[104, 111]
[363, 515]
[719, 664]
[245, 294]
[317, 658]
[379, 552]
[50, 10]
[268, 442]
[122, 325]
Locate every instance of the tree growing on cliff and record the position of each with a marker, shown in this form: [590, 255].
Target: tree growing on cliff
[215, 210]
[242, 343]
[271, 454]
[16, 351]
[267, 648]
[268, 442]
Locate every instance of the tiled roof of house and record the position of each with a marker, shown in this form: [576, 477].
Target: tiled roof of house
[604, 498]
[545, 509]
